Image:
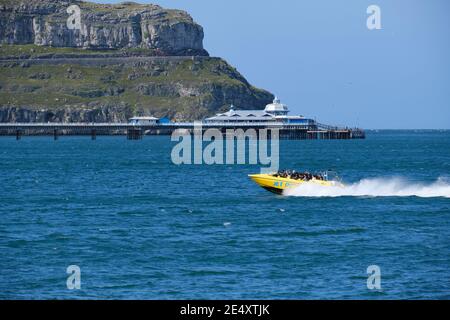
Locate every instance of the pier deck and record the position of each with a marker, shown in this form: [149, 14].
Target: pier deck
[133, 131]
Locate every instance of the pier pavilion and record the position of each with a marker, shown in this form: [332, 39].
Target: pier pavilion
[275, 112]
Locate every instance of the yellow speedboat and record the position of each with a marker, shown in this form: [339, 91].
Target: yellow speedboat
[278, 182]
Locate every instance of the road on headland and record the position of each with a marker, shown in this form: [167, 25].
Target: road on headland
[103, 60]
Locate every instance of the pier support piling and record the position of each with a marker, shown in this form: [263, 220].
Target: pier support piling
[93, 134]
[134, 134]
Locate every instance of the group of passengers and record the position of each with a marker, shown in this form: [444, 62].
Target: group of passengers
[292, 174]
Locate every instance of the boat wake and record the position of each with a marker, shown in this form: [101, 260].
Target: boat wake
[375, 187]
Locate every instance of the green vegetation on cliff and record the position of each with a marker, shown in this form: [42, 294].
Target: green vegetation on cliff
[31, 51]
[96, 89]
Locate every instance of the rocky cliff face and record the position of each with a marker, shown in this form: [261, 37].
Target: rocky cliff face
[100, 114]
[58, 23]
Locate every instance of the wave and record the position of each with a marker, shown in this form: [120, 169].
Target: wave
[375, 187]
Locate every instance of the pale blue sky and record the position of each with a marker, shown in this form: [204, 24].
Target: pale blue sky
[319, 57]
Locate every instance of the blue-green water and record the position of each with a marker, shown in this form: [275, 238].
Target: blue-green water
[140, 227]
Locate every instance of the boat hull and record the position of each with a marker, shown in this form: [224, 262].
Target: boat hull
[278, 185]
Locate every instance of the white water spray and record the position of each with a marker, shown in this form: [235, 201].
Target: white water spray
[375, 187]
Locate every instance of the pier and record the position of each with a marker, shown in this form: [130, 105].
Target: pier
[314, 131]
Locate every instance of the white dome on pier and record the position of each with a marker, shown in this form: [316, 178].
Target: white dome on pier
[277, 108]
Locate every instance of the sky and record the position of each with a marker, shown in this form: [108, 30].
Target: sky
[321, 60]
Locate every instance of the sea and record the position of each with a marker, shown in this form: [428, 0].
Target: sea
[117, 219]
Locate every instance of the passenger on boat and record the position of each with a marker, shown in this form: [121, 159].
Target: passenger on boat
[305, 176]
